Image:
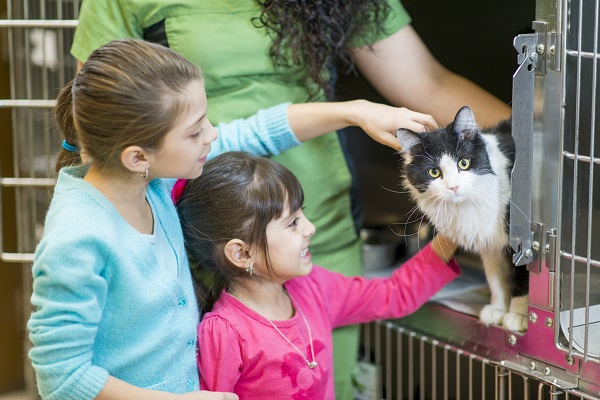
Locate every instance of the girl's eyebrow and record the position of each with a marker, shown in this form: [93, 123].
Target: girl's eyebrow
[197, 122]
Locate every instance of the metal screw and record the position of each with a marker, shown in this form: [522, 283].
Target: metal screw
[512, 339]
[549, 322]
[532, 366]
[547, 249]
[541, 48]
[570, 359]
[533, 317]
[533, 56]
[547, 371]
[528, 253]
[535, 246]
[552, 50]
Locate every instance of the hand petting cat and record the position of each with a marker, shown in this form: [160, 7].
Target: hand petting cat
[379, 121]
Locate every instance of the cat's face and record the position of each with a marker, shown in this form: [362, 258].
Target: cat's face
[450, 164]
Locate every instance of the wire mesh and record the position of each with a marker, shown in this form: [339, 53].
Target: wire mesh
[578, 304]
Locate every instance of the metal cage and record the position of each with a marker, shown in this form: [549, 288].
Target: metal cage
[555, 231]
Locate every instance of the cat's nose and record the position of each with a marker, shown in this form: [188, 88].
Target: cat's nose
[453, 188]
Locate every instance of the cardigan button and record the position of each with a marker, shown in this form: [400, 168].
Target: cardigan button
[190, 343]
[182, 302]
[190, 382]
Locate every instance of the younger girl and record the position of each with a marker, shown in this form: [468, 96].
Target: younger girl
[115, 313]
[268, 332]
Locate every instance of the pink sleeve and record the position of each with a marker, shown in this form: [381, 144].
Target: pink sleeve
[358, 299]
[219, 355]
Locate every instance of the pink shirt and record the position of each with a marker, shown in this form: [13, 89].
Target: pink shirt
[241, 352]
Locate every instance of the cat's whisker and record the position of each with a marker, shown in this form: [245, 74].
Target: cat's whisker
[517, 207]
[395, 191]
[410, 213]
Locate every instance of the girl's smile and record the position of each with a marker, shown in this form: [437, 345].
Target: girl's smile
[288, 239]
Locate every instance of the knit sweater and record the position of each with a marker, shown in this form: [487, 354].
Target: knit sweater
[240, 351]
[103, 304]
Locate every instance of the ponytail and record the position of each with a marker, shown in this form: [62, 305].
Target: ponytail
[208, 286]
[63, 113]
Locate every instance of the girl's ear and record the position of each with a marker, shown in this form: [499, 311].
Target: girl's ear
[134, 159]
[237, 253]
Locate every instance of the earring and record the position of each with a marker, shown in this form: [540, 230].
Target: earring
[250, 270]
[145, 173]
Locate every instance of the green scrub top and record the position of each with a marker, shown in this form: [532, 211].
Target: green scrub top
[240, 79]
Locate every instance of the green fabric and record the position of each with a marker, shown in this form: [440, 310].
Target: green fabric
[240, 79]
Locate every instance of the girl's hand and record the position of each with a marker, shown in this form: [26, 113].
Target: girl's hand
[443, 247]
[381, 121]
[117, 389]
[205, 395]
[311, 120]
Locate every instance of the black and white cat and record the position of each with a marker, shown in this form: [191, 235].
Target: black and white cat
[460, 178]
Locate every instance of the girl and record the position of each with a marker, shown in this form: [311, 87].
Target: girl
[115, 310]
[268, 332]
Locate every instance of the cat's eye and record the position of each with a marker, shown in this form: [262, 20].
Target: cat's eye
[464, 164]
[434, 173]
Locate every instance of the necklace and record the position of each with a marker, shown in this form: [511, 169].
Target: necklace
[311, 364]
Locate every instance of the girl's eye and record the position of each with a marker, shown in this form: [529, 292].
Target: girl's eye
[464, 164]
[434, 173]
[294, 222]
[197, 134]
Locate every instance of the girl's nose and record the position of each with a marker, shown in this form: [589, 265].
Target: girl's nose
[213, 134]
[310, 229]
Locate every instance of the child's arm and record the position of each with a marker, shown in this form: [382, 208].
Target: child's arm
[358, 299]
[379, 121]
[273, 130]
[116, 389]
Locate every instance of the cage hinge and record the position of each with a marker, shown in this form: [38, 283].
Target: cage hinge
[547, 49]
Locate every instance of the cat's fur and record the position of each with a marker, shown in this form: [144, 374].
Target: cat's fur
[470, 206]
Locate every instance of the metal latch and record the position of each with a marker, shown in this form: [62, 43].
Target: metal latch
[521, 237]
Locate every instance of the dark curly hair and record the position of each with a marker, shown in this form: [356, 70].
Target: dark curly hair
[314, 36]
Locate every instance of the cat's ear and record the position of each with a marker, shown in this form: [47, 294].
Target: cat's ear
[408, 139]
[464, 124]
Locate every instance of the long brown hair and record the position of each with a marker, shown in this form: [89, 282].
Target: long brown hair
[125, 94]
[314, 36]
[236, 197]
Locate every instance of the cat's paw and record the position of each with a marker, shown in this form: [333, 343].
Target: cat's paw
[515, 322]
[492, 315]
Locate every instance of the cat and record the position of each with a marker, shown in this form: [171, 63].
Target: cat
[459, 177]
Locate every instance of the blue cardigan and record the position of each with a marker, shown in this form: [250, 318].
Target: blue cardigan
[103, 304]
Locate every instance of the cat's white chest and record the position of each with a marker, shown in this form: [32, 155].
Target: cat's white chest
[476, 227]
